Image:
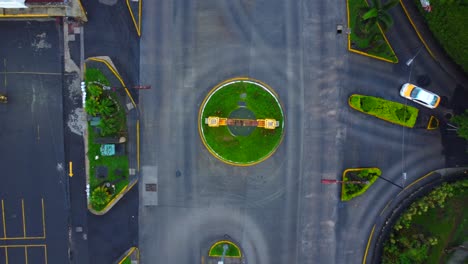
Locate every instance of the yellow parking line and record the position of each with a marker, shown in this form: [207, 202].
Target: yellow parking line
[43, 220]
[24, 218]
[45, 253]
[26, 254]
[6, 255]
[21, 238]
[3, 219]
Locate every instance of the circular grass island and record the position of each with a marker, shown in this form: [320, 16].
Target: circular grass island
[241, 121]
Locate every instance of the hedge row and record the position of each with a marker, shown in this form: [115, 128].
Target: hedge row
[387, 110]
[351, 190]
[447, 21]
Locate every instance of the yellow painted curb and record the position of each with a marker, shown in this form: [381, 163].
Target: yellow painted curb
[25, 16]
[413, 183]
[364, 53]
[343, 178]
[83, 10]
[429, 127]
[129, 252]
[368, 244]
[200, 110]
[137, 25]
[415, 29]
[116, 75]
[225, 242]
[357, 109]
[131, 184]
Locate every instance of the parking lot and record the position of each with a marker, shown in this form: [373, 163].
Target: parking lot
[34, 178]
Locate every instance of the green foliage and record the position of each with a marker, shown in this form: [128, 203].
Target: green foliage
[94, 90]
[92, 107]
[113, 163]
[378, 14]
[100, 198]
[368, 104]
[462, 122]
[447, 21]
[104, 103]
[109, 126]
[387, 110]
[242, 149]
[403, 114]
[351, 190]
[107, 107]
[365, 34]
[423, 230]
[232, 251]
[95, 75]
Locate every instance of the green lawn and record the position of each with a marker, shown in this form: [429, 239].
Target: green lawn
[242, 149]
[433, 223]
[376, 45]
[218, 251]
[350, 191]
[449, 224]
[113, 163]
[387, 110]
[447, 21]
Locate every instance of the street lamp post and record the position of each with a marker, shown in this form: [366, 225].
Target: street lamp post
[408, 62]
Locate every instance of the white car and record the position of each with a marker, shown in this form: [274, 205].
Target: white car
[419, 95]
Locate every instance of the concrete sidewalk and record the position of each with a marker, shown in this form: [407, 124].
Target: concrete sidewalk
[435, 49]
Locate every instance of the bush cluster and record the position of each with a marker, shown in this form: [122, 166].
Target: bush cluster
[410, 243]
[103, 104]
[387, 110]
[447, 21]
[366, 175]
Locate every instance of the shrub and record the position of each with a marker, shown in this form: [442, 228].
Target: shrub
[403, 114]
[423, 241]
[387, 110]
[100, 197]
[447, 21]
[351, 190]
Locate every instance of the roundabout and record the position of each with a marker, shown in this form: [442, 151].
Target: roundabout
[241, 121]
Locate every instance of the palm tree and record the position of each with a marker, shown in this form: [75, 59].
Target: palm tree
[377, 13]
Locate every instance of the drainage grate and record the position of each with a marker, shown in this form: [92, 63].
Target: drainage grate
[151, 187]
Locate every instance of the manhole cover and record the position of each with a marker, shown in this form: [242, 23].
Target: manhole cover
[151, 187]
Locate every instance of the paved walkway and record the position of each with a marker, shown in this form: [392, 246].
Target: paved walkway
[439, 54]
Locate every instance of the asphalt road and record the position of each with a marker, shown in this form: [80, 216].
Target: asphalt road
[110, 32]
[273, 209]
[277, 210]
[369, 142]
[34, 189]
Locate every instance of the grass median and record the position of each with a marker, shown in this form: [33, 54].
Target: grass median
[390, 111]
[368, 39]
[111, 124]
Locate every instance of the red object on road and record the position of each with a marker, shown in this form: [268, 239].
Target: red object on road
[328, 181]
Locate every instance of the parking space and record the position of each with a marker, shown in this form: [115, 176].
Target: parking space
[23, 222]
[34, 184]
[23, 228]
[28, 254]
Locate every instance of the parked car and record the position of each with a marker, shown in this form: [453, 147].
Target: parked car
[419, 95]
